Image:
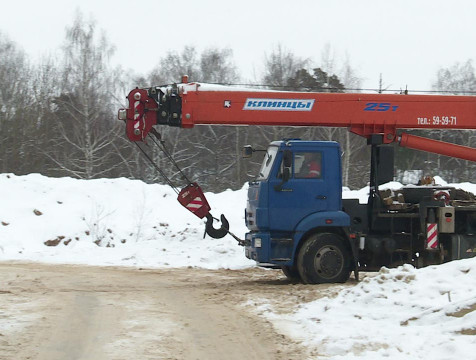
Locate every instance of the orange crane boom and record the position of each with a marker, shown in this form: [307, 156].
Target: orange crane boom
[190, 104]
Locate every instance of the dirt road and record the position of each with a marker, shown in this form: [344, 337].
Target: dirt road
[98, 313]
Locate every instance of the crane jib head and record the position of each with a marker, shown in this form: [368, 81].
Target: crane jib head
[149, 107]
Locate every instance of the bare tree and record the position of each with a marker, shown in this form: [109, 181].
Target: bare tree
[281, 65]
[85, 105]
[15, 106]
[45, 87]
[328, 59]
[217, 66]
[174, 65]
[460, 78]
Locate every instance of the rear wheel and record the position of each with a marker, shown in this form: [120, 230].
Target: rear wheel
[324, 258]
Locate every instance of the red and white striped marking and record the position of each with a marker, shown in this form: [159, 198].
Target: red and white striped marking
[195, 204]
[136, 115]
[192, 198]
[431, 236]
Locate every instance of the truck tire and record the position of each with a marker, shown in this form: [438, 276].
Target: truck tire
[324, 258]
[291, 272]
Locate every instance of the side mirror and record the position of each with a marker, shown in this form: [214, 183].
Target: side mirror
[247, 151]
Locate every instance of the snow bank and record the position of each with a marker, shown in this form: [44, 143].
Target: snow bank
[402, 313]
[112, 222]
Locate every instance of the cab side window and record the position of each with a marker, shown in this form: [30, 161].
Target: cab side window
[307, 165]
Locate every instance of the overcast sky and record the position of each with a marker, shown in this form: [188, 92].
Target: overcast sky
[405, 40]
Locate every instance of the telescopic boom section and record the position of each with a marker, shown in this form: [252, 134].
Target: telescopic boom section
[189, 104]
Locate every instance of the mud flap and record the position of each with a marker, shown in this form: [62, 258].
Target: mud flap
[355, 255]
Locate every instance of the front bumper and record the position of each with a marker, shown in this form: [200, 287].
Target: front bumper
[267, 251]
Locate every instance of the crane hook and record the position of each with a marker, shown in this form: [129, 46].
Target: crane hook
[217, 233]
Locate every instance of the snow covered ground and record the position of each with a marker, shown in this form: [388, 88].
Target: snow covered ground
[401, 313]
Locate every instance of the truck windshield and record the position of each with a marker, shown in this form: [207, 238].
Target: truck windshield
[267, 162]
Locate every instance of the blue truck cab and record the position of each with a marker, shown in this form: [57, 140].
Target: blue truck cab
[297, 200]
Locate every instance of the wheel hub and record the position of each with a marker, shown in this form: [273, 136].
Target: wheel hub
[328, 262]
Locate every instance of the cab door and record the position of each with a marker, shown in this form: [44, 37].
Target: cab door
[305, 192]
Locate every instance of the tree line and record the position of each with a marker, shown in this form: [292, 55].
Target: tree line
[58, 116]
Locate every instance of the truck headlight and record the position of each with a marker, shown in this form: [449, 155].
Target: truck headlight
[258, 242]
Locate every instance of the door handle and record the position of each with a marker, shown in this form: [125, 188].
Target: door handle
[321, 197]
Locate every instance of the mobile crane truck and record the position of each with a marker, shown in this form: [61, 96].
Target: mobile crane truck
[301, 224]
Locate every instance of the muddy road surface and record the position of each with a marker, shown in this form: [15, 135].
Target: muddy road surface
[105, 313]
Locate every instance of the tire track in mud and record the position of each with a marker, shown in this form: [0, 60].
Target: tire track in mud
[85, 312]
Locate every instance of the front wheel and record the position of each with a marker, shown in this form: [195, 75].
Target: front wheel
[324, 258]
[291, 272]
